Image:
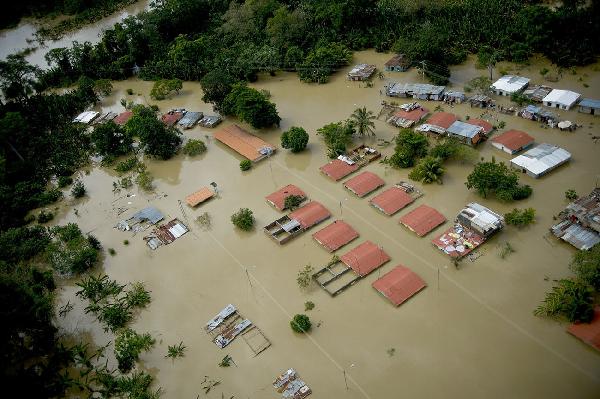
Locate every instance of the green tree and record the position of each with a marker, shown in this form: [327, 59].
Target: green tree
[571, 299]
[251, 106]
[493, 177]
[216, 85]
[321, 62]
[165, 87]
[294, 139]
[17, 78]
[110, 139]
[243, 219]
[157, 139]
[571, 194]
[292, 202]
[410, 146]
[128, 347]
[520, 217]
[586, 266]
[428, 170]
[78, 189]
[301, 323]
[194, 147]
[363, 121]
[337, 136]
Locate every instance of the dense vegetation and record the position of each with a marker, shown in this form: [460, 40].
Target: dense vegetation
[496, 178]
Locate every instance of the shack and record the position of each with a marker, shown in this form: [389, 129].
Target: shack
[421, 91]
[481, 101]
[290, 226]
[341, 273]
[364, 183]
[395, 198]
[190, 119]
[244, 143]
[361, 72]
[466, 133]
[335, 235]
[290, 386]
[172, 117]
[166, 233]
[580, 222]
[210, 121]
[509, 84]
[105, 117]
[513, 141]
[438, 123]
[399, 285]
[229, 324]
[589, 106]
[398, 63]
[277, 199]
[422, 220]
[86, 117]
[199, 196]
[141, 220]
[457, 97]
[537, 93]
[538, 114]
[123, 117]
[563, 99]
[408, 115]
[541, 159]
[588, 332]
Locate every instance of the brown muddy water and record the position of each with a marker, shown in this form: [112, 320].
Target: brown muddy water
[471, 333]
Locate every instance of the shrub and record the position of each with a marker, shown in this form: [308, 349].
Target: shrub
[245, 164]
[125, 242]
[194, 147]
[129, 91]
[304, 278]
[308, 305]
[586, 266]
[144, 180]
[175, 351]
[571, 194]
[127, 165]
[137, 296]
[301, 323]
[45, 216]
[49, 197]
[243, 219]
[337, 136]
[294, 139]
[410, 146]
[64, 181]
[520, 217]
[78, 189]
[128, 347]
[292, 201]
[571, 299]
[165, 87]
[112, 251]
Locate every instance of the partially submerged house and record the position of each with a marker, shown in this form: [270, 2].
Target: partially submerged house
[538, 114]
[580, 222]
[421, 91]
[123, 117]
[509, 84]
[408, 115]
[563, 99]
[352, 161]
[229, 324]
[335, 235]
[341, 273]
[364, 183]
[395, 198]
[290, 386]
[589, 106]
[537, 93]
[289, 226]
[481, 101]
[422, 220]
[172, 117]
[105, 117]
[86, 117]
[190, 119]
[457, 97]
[398, 63]
[210, 120]
[588, 332]
[466, 133]
[199, 196]
[244, 143]
[361, 72]
[166, 233]
[277, 199]
[513, 141]
[541, 159]
[487, 127]
[141, 220]
[399, 284]
[474, 225]
[438, 123]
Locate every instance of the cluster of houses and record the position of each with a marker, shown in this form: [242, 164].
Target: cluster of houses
[175, 117]
[580, 222]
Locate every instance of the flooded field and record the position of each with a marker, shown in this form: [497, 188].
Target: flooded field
[471, 333]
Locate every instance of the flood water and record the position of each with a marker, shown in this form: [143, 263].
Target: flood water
[471, 333]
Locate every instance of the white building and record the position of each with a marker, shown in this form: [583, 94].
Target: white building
[563, 99]
[481, 219]
[509, 84]
[540, 160]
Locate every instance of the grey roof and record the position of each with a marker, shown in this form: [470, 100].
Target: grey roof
[576, 235]
[455, 94]
[150, 214]
[415, 88]
[190, 118]
[542, 158]
[589, 102]
[464, 129]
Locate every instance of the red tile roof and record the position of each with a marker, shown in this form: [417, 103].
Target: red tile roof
[399, 284]
[277, 199]
[364, 183]
[487, 127]
[243, 142]
[415, 115]
[513, 139]
[123, 117]
[442, 119]
[422, 220]
[588, 333]
[171, 118]
[391, 200]
[337, 169]
[336, 235]
[310, 214]
[365, 258]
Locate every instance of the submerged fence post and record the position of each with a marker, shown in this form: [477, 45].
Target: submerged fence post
[345, 381]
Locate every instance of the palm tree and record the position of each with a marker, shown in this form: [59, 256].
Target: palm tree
[428, 170]
[363, 121]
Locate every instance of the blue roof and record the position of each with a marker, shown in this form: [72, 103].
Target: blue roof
[589, 102]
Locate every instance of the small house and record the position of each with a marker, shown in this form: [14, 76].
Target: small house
[399, 285]
[537, 93]
[408, 115]
[580, 222]
[395, 198]
[480, 219]
[421, 91]
[541, 159]
[277, 199]
[172, 117]
[589, 106]
[123, 117]
[481, 101]
[538, 114]
[457, 97]
[335, 235]
[513, 141]
[487, 127]
[361, 72]
[210, 121]
[466, 133]
[438, 123]
[364, 183]
[190, 119]
[588, 333]
[563, 99]
[398, 63]
[422, 220]
[509, 84]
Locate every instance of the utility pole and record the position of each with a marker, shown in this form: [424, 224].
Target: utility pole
[423, 70]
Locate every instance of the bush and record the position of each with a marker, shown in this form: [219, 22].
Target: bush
[304, 278]
[520, 217]
[243, 219]
[245, 164]
[70, 253]
[570, 299]
[571, 194]
[144, 180]
[45, 216]
[301, 323]
[129, 91]
[194, 147]
[294, 139]
[137, 296]
[64, 181]
[112, 252]
[292, 202]
[78, 189]
[127, 165]
[337, 136]
[586, 266]
[49, 197]
[128, 347]
[308, 305]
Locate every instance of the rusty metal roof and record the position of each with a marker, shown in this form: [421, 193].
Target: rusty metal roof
[422, 220]
[338, 169]
[244, 143]
[399, 284]
[365, 258]
[123, 117]
[391, 200]
[171, 117]
[364, 183]
[588, 333]
[310, 214]
[277, 199]
[414, 115]
[199, 196]
[335, 235]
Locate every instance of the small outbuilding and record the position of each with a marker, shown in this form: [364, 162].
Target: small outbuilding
[365, 258]
[172, 117]
[589, 106]
[457, 97]
[399, 284]
[361, 72]
[288, 227]
[422, 220]
[398, 63]
[210, 121]
[421, 91]
[481, 101]
[335, 235]
[541, 159]
[244, 143]
[190, 119]
[364, 183]
[537, 93]
[563, 99]
[86, 117]
[277, 199]
[466, 133]
[481, 219]
[509, 84]
[580, 222]
[513, 141]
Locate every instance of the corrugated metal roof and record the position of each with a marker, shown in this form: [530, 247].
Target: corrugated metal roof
[391, 200]
[190, 118]
[399, 284]
[510, 83]
[422, 220]
[277, 199]
[464, 129]
[365, 258]
[150, 214]
[575, 234]
[513, 139]
[199, 196]
[364, 183]
[542, 158]
[335, 235]
[244, 143]
[310, 214]
[588, 332]
[590, 103]
[487, 127]
[338, 169]
[564, 97]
